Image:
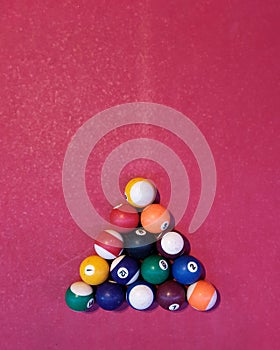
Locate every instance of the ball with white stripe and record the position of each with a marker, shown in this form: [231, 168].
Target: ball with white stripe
[125, 270]
[109, 244]
[79, 296]
[172, 245]
[202, 295]
[140, 192]
[140, 295]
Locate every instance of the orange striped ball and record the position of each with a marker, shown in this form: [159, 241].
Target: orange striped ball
[155, 218]
[202, 295]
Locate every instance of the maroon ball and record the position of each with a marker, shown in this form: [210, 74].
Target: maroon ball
[172, 245]
[171, 295]
[124, 217]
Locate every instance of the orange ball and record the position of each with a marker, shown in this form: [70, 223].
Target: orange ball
[94, 270]
[155, 218]
[202, 295]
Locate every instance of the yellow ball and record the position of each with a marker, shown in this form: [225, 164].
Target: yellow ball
[140, 192]
[94, 270]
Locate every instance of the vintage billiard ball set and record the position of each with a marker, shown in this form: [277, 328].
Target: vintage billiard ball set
[141, 261]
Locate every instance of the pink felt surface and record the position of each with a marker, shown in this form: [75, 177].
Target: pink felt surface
[215, 61]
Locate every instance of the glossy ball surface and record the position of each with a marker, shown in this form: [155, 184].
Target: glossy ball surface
[125, 270]
[202, 295]
[155, 269]
[79, 296]
[186, 269]
[140, 192]
[139, 243]
[124, 217]
[172, 245]
[109, 296]
[171, 295]
[109, 244]
[140, 295]
[155, 218]
[94, 270]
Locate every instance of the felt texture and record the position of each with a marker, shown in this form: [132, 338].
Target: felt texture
[64, 61]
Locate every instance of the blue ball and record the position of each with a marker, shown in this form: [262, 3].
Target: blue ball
[125, 270]
[109, 295]
[186, 269]
[140, 295]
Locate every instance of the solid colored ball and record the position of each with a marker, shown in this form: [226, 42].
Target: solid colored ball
[171, 295]
[155, 218]
[79, 296]
[125, 217]
[172, 245]
[109, 296]
[155, 269]
[140, 295]
[125, 270]
[140, 192]
[94, 270]
[186, 269]
[109, 244]
[139, 243]
[202, 295]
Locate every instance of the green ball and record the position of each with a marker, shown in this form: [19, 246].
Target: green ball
[155, 269]
[79, 296]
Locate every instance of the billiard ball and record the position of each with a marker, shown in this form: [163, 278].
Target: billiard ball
[171, 295]
[171, 245]
[155, 269]
[186, 269]
[139, 243]
[155, 218]
[109, 296]
[124, 217]
[79, 296]
[109, 244]
[202, 295]
[94, 270]
[140, 295]
[125, 270]
[140, 192]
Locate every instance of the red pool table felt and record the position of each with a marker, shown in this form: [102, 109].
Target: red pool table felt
[62, 62]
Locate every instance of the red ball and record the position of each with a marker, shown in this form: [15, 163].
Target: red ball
[124, 217]
[108, 244]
